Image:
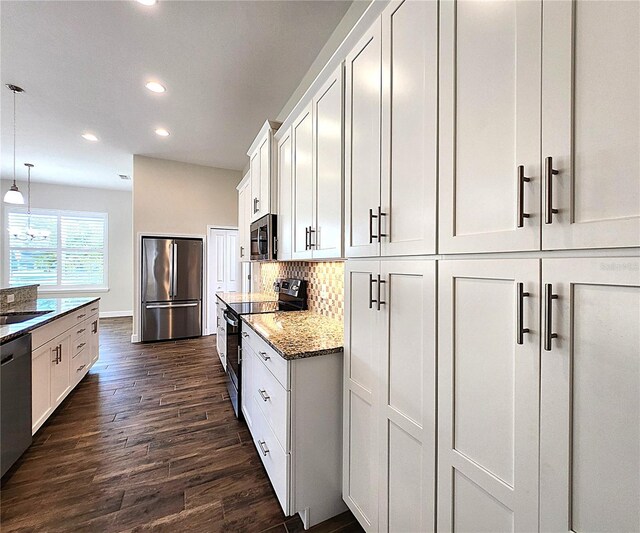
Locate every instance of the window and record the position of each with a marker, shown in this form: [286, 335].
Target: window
[74, 256]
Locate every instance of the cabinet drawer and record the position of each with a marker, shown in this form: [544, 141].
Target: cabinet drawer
[79, 365]
[274, 459]
[79, 343]
[276, 364]
[93, 309]
[83, 313]
[49, 331]
[272, 398]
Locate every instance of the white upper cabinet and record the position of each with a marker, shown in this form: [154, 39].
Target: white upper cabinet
[262, 171]
[285, 169]
[590, 395]
[244, 218]
[490, 60]
[363, 99]
[302, 141]
[591, 124]
[410, 127]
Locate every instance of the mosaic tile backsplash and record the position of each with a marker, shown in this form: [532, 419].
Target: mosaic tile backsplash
[325, 283]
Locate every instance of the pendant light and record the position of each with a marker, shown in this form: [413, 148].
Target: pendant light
[13, 195]
[29, 233]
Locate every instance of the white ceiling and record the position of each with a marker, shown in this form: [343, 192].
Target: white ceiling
[227, 66]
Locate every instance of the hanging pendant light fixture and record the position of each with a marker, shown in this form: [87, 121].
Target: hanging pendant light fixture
[13, 195]
[29, 233]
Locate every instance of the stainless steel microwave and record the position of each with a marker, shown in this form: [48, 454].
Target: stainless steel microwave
[264, 239]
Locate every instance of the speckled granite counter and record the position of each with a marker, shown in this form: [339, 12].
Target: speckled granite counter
[297, 334]
[54, 307]
[245, 297]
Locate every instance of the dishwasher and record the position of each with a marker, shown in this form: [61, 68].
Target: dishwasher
[15, 400]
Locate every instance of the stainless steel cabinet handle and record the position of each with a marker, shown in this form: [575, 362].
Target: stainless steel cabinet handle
[264, 356]
[380, 215]
[81, 345]
[306, 237]
[371, 235]
[245, 334]
[56, 359]
[548, 316]
[95, 327]
[263, 394]
[521, 181]
[549, 172]
[241, 251]
[371, 282]
[520, 329]
[81, 316]
[94, 309]
[380, 301]
[80, 331]
[263, 447]
[311, 244]
[80, 368]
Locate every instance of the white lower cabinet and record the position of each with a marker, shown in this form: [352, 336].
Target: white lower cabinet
[293, 410]
[221, 332]
[389, 415]
[590, 395]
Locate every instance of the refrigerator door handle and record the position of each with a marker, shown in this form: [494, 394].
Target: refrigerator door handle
[168, 306]
[174, 268]
[171, 266]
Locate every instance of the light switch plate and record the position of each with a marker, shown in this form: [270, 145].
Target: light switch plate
[10, 298]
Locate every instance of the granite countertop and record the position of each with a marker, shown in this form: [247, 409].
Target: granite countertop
[246, 297]
[55, 307]
[298, 334]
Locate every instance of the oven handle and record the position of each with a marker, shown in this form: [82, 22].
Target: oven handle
[230, 320]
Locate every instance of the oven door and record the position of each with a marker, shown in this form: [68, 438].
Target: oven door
[232, 324]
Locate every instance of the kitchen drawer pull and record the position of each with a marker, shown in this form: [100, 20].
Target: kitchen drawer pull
[264, 356]
[548, 316]
[264, 395]
[371, 235]
[81, 316]
[94, 309]
[81, 345]
[371, 282]
[95, 326]
[81, 331]
[7, 359]
[80, 368]
[380, 301]
[549, 172]
[306, 237]
[241, 251]
[245, 334]
[263, 447]
[521, 330]
[311, 232]
[522, 179]
[380, 215]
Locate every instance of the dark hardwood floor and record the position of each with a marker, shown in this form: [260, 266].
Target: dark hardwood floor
[147, 441]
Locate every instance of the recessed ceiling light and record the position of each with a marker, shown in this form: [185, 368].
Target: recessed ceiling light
[162, 132]
[147, 2]
[155, 87]
[89, 137]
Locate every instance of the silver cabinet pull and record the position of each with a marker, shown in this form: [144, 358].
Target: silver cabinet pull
[95, 326]
[241, 251]
[81, 316]
[80, 368]
[549, 172]
[371, 282]
[56, 352]
[264, 356]
[245, 334]
[80, 345]
[263, 447]
[306, 237]
[380, 215]
[81, 331]
[94, 309]
[522, 179]
[548, 316]
[264, 395]
[371, 217]
[380, 301]
[520, 329]
[311, 232]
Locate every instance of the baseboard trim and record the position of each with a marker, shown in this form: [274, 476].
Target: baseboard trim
[115, 314]
[134, 338]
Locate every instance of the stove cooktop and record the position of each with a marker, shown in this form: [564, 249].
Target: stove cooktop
[254, 308]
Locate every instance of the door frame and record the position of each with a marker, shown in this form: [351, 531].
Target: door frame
[206, 272]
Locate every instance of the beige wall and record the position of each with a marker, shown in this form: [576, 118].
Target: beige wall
[118, 300]
[174, 198]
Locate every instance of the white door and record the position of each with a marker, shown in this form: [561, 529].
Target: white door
[223, 268]
[410, 127]
[232, 262]
[264, 200]
[285, 207]
[327, 157]
[361, 397]
[591, 124]
[256, 183]
[301, 133]
[407, 423]
[590, 395]
[490, 55]
[488, 395]
[363, 95]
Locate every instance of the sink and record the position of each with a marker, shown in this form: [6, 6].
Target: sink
[14, 318]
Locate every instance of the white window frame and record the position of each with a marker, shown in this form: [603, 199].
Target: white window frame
[103, 287]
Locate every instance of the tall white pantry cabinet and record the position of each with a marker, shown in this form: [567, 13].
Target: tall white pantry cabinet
[492, 288]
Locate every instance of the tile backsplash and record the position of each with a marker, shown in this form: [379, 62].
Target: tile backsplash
[325, 283]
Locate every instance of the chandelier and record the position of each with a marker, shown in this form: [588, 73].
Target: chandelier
[28, 233]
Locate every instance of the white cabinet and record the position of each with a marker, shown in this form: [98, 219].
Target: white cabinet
[41, 360]
[590, 395]
[390, 401]
[221, 332]
[262, 171]
[391, 134]
[244, 218]
[285, 206]
[224, 264]
[488, 382]
[60, 367]
[302, 142]
[591, 124]
[490, 56]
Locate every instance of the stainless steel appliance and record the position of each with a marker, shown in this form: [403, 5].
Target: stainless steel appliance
[264, 239]
[171, 288]
[292, 296]
[15, 400]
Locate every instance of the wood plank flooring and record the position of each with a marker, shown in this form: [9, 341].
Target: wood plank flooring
[147, 442]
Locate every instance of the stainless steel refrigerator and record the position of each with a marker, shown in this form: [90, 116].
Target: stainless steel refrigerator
[171, 288]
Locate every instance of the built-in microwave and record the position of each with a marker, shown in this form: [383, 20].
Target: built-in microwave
[264, 239]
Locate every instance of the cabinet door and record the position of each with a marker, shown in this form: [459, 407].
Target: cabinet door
[94, 340]
[488, 395]
[285, 206]
[264, 200]
[302, 132]
[244, 215]
[60, 381]
[256, 183]
[231, 264]
[327, 157]
[409, 135]
[361, 395]
[590, 396]
[41, 360]
[489, 125]
[591, 124]
[363, 94]
[408, 394]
